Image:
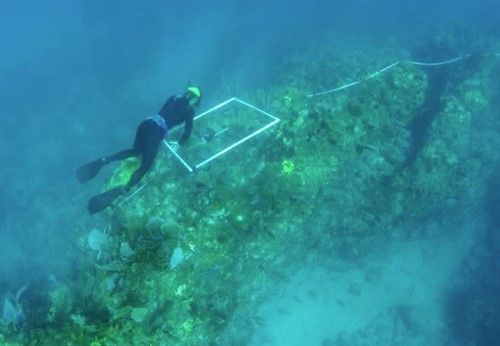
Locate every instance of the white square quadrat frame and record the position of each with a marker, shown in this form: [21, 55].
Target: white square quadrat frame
[274, 120]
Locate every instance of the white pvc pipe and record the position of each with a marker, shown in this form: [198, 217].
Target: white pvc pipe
[178, 156]
[225, 150]
[214, 108]
[206, 112]
[221, 132]
[255, 108]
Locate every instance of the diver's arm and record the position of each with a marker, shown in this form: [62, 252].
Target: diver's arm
[188, 127]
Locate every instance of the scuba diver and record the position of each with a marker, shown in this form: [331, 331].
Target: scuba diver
[148, 137]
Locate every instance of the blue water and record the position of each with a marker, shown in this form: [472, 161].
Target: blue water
[77, 77]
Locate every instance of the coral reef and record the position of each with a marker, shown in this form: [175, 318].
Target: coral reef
[190, 255]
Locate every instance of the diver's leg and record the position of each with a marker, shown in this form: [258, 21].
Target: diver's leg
[122, 155]
[91, 169]
[146, 164]
[149, 145]
[141, 135]
[105, 199]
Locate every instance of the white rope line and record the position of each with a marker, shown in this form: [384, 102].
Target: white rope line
[382, 70]
[376, 73]
[132, 195]
[438, 63]
[333, 90]
[122, 203]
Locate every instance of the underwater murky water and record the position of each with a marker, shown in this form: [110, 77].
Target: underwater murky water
[347, 196]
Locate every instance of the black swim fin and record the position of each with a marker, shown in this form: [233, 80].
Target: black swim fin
[89, 170]
[102, 201]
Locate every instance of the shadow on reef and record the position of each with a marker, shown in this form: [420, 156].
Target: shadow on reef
[492, 207]
[439, 78]
[473, 306]
[420, 125]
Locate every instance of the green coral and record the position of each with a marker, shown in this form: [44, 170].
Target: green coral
[287, 167]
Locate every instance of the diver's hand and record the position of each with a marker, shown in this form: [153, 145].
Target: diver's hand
[183, 142]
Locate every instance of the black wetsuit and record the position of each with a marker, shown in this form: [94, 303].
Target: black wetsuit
[149, 135]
